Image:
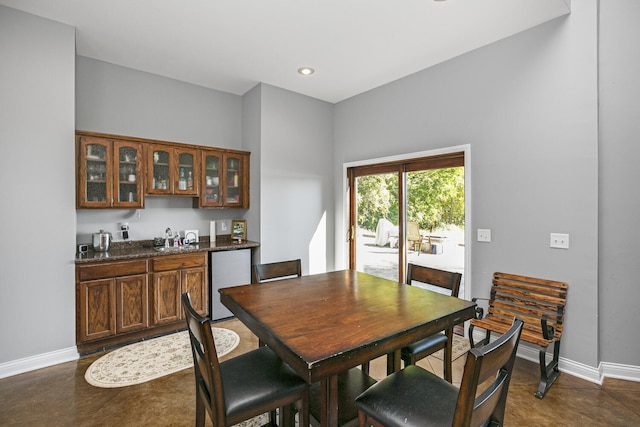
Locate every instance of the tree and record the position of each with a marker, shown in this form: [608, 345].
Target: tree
[435, 198]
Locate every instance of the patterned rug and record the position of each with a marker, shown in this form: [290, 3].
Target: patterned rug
[460, 346]
[150, 359]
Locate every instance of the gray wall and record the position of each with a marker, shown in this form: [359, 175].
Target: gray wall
[619, 174]
[527, 106]
[37, 296]
[296, 183]
[122, 101]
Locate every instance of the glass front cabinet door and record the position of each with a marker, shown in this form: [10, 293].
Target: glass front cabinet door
[186, 176]
[109, 174]
[160, 164]
[211, 195]
[235, 181]
[172, 170]
[128, 179]
[94, 173]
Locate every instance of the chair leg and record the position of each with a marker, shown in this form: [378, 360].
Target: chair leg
[446, 361]
[365, 368]
[201, 412]
[548, 372]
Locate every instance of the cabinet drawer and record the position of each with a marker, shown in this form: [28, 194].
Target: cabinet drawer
[177, 262]
[111, 269]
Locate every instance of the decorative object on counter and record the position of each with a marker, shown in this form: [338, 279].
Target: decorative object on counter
[101, 241]
[239, 230]
[158, 241]
[191, 237]
[167, 235]
[151, 359]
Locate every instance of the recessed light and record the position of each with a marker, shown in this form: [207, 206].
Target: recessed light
[306, 71]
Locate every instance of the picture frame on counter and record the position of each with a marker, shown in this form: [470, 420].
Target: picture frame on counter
[238, 230]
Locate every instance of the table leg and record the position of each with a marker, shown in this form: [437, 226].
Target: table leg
[329, 398]
[393, 362]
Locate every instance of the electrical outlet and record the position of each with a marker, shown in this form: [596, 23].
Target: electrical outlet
[484, 235]
[559, 241]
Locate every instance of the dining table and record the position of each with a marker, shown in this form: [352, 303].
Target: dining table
[324, 324]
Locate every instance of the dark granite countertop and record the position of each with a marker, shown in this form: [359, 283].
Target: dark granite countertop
[145, 249]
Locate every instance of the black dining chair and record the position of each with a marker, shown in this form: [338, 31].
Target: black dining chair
[350, 383]
[414, 397]
[243, 387]
[449, 283]
[276, 270]
[446, 282]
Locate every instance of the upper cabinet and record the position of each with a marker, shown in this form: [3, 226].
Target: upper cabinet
[172, 170]
[225, 180]
[236, 184]
[109, 173]
[117, 171]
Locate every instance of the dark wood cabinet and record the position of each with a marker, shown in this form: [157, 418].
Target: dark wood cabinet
[225, 179]
[109, 173]
[118, 171]
[123, 301]
[172, 170]
[132, 308]
[96, 310]
[173, 275]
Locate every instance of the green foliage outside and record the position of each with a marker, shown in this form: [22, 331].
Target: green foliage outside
[435, 198]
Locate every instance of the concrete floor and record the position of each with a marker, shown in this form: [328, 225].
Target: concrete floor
[59, 396]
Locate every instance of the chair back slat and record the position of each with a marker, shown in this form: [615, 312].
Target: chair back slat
[432, 276]
[277, 270]
[474, 408]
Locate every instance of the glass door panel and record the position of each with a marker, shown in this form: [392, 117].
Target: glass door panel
[233, 177]
[377, 225]
[161, 178]
[95, 173]
[128, 185]
[186, 172]
[212, 166]
[435, 219]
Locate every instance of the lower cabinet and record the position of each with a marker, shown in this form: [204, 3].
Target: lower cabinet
[124, 301]
[174, 275]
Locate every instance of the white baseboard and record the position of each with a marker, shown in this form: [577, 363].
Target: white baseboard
[39, 361]
[619, 371]
[576, 369]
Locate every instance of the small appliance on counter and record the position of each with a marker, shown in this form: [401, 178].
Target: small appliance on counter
[101, 241]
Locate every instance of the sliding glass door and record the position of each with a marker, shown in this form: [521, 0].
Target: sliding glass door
[409, 211]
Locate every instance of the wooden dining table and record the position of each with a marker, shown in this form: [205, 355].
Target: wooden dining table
[325, 324]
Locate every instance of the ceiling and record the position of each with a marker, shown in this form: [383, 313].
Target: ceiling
[231, 45]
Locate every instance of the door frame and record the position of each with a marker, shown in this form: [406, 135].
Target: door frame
[343, 232]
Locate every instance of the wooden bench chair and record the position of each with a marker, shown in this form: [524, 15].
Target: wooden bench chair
[540, 303]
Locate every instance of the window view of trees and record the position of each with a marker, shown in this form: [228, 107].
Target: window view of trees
[435, 199]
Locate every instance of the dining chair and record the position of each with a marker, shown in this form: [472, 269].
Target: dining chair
[276, 270]
[243, 387]
[413, 236]
[440, 281]
[414, 397]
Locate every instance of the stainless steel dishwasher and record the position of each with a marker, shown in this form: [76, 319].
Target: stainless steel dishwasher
[227, 268]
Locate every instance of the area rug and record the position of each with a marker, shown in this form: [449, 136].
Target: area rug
[460, 346]
[154, 358]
